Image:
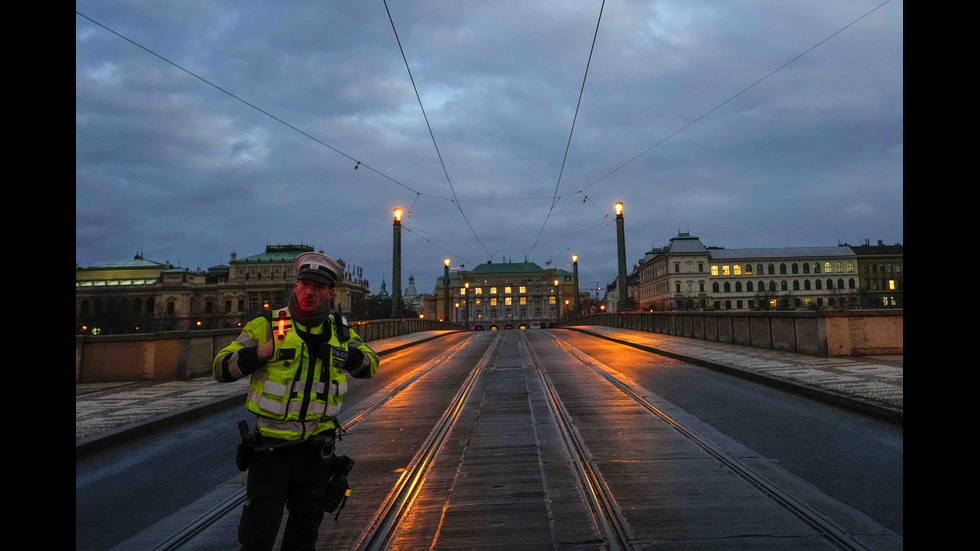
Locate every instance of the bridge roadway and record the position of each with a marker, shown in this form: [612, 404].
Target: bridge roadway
[502, 480]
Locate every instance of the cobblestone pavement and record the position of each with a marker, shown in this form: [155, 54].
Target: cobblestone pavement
[876, 380]
[102, 409]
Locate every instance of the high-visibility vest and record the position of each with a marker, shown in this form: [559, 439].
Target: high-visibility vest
[298, 392]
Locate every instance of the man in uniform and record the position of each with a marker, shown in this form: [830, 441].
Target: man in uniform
[299, 359]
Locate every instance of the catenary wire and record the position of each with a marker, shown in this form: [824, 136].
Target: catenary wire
[554, 198]
[431, 134]
[746, 89]
[257, 108]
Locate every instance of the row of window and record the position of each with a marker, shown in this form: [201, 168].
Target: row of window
[509, 301]
[508, 313]
[806, 285]
[508, 290]
[794, 268]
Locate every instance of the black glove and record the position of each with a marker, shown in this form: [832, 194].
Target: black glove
[355, 358]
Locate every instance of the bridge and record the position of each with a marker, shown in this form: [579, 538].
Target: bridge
[587, 437]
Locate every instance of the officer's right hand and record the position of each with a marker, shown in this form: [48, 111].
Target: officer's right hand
[266, 350]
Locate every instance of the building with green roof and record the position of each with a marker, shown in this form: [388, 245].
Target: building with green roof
[503, 295]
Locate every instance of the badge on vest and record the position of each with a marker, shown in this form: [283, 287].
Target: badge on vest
[339, 357]
[286, 354]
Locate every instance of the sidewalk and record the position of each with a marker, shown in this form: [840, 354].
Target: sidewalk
[873, 384]
[108, 412]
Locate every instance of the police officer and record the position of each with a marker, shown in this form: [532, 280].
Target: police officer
[299, 359]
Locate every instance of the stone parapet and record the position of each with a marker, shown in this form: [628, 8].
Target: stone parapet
[831, 333]
[183, 355]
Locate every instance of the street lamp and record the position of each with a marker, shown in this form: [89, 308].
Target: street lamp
[575, 272]
[396, 264]
[445, 304]
[621, 246]
[466, 304]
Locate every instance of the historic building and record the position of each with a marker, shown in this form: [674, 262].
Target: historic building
[503, 295]
[687, 275]
[881, 274]
[143, 295]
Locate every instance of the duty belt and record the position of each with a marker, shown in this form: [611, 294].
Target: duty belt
[324, 440]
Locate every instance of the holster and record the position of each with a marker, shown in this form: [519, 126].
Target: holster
[243, 457]
[338, 487]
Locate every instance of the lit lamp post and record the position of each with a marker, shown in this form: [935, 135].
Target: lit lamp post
[445, 304]
[621, 246]
[557, 301]
[466, 304]
[575, 278]
[396, 265]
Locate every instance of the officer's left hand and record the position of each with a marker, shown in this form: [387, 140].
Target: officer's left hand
[355, 358]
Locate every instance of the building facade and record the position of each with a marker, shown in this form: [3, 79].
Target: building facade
[687, 275]
[881, 270]
[143, 295]
[503, 295]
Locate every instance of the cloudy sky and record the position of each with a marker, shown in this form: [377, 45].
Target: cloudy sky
[206, 128]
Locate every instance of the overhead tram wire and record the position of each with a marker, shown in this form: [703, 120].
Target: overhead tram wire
[554, 198]
[746, 89]
[431, 134]
[259, 109]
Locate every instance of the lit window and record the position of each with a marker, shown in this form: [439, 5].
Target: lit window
[507, 290]
[493, 301]
[737, 269]
[714, 270]
[891, 284]
[552, 300]
[725, 270]
[508, 301]
[522, 289]
[523, 301]
[493, 290]
[479, 290]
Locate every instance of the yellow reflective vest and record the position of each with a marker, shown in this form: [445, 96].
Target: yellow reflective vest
[299, 391]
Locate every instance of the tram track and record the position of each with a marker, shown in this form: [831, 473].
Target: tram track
[831, 531]
[409, 482]
[611, 523]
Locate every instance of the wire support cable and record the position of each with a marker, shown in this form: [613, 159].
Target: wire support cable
[746, 89]
[429, 126]
[257, 108]
[568, 144]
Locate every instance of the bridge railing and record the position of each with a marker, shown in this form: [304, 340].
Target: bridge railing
[181, 355]
[820, 333]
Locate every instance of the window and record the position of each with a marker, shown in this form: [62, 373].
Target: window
[493, 290]
[522, 289]
[737, 270]
[508, 301]
[523, 301]
[748, 269]
[714, 270]
[827, 267]
[725, 271]
[507, 290]
[552, 300]
[493, 301]
[479, 290]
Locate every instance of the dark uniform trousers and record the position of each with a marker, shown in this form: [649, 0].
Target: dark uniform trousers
[295, 477]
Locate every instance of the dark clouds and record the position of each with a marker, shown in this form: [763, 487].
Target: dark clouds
[168, 164]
